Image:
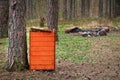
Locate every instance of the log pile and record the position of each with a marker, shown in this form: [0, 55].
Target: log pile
[100, 31]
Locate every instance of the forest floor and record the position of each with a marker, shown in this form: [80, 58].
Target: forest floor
[77, 58]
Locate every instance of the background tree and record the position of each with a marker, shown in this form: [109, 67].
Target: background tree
[83, 8]
[100, 8]
[17, 49]
[74, 8]
[29, 4]
[65, 9]
[70, 9]
[113, 9]
[87, 8]
[4, 18]
[52, 17]
[117, 7]
[36, 9]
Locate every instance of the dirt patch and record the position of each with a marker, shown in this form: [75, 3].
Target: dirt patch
[69, 71]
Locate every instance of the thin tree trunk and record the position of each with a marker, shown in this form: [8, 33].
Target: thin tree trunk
[112, 8]
[115, 8]
[100, 8]
[70, 9]
[94, 8]
[4, 4]
[74, 7]
[79, 8]
[105, 8]
[17, 49]
[83, 8]
[53, 16]
[29, 9]
[65, 9]
[109, 8]
[87, 8]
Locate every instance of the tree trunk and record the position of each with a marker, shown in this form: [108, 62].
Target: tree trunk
[53, 16]
[87, 8]
[74, 7]
[109, 8]
[100, 13]
[29, 9]
[17, 49]
[117, 6]
[79, 14]
[4, 4]
[112, 8]
[70, 9]
[104, 8]
[94, 8]
[65, 9]
[83, 8]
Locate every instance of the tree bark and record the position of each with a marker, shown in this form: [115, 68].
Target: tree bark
[112, 8]
[74, 7]
[79, 9]
[117, 6]
[29, 9]
[100, 8]
[70, 9]
[87, 8]
[109, 8]
[104, 8]
[17, 49]
[83, 8]
[4, 4]
[53, 16]
[65, 9]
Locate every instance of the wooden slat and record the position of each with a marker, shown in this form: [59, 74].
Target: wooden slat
[42, 62]
[42, 39]
[42, 53]
[42, 67]
[43, 44]
[36, 49]
[42, 58]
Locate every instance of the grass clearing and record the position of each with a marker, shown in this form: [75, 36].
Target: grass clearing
[76, 48]
[72, 48]
[78, 57]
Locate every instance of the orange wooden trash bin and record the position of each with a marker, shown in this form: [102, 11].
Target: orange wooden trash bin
[42, 50]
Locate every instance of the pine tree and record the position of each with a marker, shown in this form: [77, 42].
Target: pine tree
[17, 49]
[4, 18]
[53, 16]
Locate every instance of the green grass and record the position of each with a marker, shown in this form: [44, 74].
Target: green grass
[4, 41]
[70, 47]
[76, 48]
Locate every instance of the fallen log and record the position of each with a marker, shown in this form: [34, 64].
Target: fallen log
[73, 30]
[101, 31]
